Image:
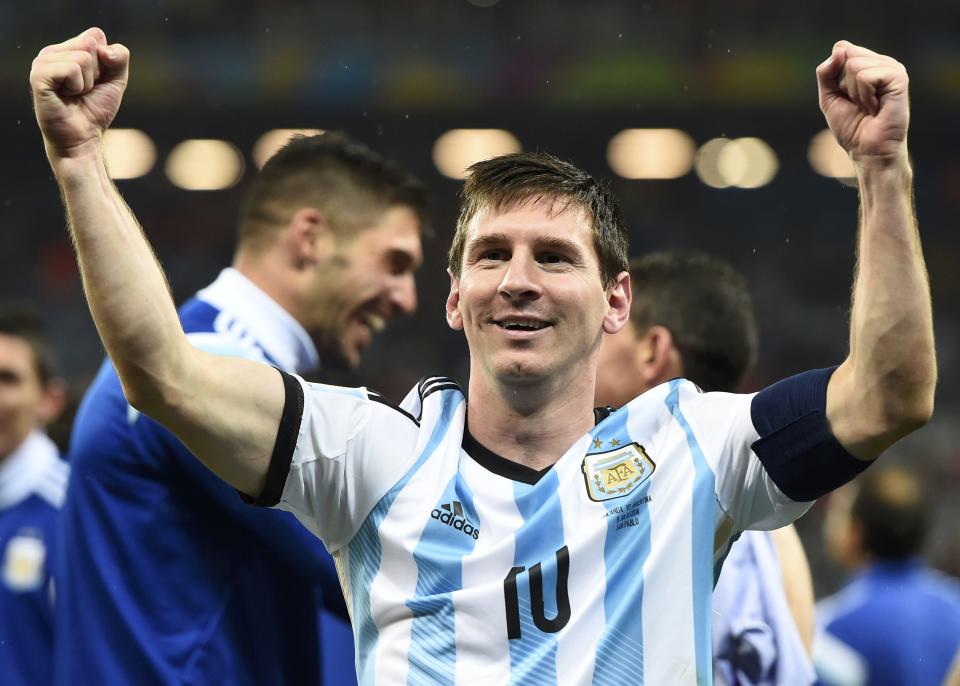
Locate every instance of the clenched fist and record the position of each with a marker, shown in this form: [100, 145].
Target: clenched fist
[863, 96]
[77, 87]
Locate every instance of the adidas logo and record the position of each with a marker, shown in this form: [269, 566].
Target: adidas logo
[451, 514]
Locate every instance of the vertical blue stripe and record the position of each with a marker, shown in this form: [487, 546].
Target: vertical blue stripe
[439, 556]
[365, 551]
[704, 523]
[619, 653]
[533, 657]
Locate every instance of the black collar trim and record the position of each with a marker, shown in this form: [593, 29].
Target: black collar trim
[509, 469]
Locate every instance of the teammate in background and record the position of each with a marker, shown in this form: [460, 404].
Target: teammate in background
[32, 482]
[692, 317]
[897, 621]
[596, 536]
[167, 577]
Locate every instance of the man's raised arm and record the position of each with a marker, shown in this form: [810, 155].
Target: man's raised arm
[884, 390]
[226, 410]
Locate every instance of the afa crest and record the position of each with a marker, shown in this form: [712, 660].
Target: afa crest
[617, 472]
[23, 563]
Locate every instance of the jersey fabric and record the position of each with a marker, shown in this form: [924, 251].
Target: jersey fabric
[899, 619]
[166, 576]
[32, 483]
[755, 638]
[460, 566]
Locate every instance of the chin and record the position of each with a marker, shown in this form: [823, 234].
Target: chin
[522, 371]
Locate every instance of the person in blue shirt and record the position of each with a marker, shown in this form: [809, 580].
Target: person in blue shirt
[32, 483]
[692, 316]
[166, 576]
[897, 621]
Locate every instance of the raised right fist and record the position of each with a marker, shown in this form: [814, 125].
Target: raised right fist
[77, 87]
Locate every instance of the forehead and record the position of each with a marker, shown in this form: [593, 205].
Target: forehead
[540, 218]
[15, 353]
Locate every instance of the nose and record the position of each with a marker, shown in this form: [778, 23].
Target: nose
[403, 293]
[520, 279]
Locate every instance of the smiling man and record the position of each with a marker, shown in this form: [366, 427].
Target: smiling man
[593, 537]
[328, 240]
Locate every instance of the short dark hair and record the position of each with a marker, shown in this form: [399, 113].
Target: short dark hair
[705, 304]
[350, 183]
[519, 177]
[24, 323]
[892, 512]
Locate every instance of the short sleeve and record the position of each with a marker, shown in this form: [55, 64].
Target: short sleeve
[337, 459]
[772, 452]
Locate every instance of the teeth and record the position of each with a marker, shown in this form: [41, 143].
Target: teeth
[532, 325]
[376, 322]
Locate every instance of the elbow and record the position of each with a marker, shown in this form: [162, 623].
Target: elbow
[143, 394]
[909, 410]
[155, 395]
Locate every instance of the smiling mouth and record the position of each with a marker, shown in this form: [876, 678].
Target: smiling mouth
[522, 324]
[375, 322]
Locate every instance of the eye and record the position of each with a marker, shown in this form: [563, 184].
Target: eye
[494, 255]
[553, 258]
[399, 262]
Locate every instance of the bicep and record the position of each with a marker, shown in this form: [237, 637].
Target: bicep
[228, 412]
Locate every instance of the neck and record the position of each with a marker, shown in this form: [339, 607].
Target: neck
[531, 423]
[265, 273]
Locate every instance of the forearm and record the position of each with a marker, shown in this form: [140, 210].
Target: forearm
[125, 286]
[891, 369]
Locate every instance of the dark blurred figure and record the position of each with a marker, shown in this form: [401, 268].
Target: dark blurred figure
[167, 577]
[32, 483]
[692, 317]
[897, 622]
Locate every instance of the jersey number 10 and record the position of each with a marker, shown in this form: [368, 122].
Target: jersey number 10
[511, 598]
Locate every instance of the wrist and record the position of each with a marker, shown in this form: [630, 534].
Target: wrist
[897, 162]
[77, 163]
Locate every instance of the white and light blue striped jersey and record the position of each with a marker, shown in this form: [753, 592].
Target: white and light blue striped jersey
[462, 567]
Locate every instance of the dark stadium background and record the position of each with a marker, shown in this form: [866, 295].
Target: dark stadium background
[561, 76]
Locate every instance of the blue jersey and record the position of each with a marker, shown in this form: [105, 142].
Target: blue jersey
[898, 622]
[461, 566]
[32, 483]
[167, 576]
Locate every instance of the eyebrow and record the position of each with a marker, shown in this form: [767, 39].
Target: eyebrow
[541, 242]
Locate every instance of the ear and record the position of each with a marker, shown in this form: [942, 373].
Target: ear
[54, 400]
[309, 238]
[619, 297]
[454, 318]
[657, 357]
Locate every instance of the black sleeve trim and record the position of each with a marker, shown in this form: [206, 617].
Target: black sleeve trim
[796, 446]
[284, 446]
[376, 397]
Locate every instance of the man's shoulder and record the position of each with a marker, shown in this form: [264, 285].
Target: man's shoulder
[197, 316]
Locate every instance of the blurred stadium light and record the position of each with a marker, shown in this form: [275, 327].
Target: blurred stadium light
[748, 163]
[269, 143]
[651, 153]
[742, 162]
[204, 165]
[829, 159]
[129, 153]
[457, 149]
[707, 163]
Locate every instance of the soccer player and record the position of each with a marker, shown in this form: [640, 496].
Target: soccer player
[692, 317]
[32, 482]
[896, 621]
[528, 540]
[166, 575]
